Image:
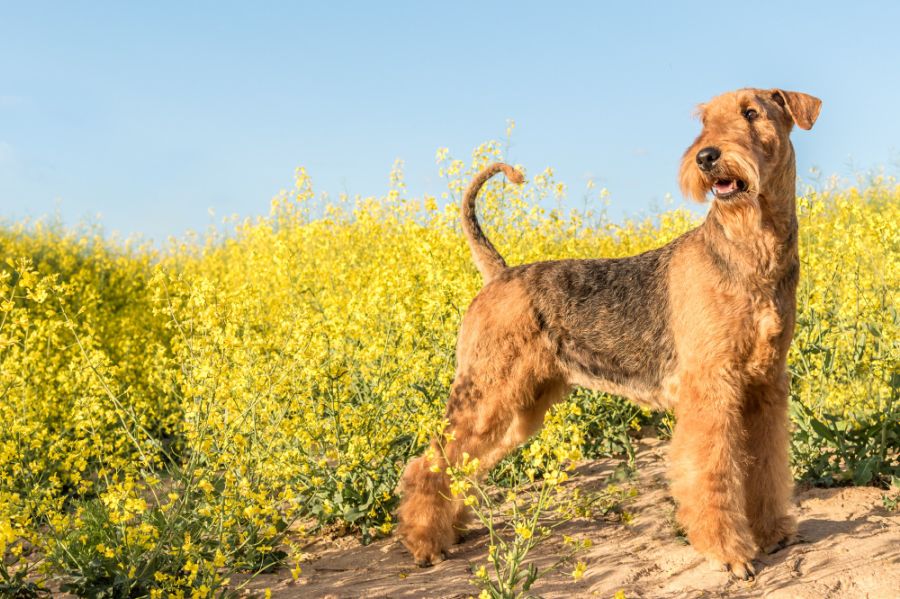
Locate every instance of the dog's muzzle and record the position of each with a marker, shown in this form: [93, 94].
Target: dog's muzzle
[707, 158]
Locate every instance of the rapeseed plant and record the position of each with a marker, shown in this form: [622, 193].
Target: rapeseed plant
[174, 417]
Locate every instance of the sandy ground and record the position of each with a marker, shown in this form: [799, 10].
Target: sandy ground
[850, 547]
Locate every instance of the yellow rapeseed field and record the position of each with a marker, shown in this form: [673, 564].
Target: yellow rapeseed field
[167, 416]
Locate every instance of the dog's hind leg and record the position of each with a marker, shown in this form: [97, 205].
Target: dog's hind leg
[483, 426]
[505, 382]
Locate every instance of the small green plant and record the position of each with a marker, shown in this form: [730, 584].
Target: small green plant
[515, 526]
[891, 500]
[607, 502]
[17, 575]
[520, 518]
[829, 450]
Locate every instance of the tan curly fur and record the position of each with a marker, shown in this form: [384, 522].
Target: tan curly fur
[701, 325]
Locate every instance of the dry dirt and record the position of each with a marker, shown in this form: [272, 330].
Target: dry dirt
[849, 547]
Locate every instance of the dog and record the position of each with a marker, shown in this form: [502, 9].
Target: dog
[701, 325]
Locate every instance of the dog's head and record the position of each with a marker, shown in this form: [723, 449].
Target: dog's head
[744, 148]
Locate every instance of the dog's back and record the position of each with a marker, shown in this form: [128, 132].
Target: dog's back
[606, 320]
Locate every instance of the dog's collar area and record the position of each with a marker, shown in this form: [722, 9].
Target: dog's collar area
[726, 188]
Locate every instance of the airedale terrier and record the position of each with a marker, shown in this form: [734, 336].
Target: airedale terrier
[701, 325]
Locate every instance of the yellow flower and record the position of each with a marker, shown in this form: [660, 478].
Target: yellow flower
[523, 531]
[281, 368]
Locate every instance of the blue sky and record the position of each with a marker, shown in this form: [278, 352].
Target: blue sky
[150, 114]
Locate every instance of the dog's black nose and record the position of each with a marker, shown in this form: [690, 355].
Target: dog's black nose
[706, 158]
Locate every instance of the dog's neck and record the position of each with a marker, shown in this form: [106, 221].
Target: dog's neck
[756, 242]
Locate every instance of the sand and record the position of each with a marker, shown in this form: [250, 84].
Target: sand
[849, 547]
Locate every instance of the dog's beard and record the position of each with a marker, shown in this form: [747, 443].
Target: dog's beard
[734, 178]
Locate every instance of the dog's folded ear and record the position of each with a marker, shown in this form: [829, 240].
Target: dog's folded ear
[802, 108]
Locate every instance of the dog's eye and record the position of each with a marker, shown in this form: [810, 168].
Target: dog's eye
[750, 114]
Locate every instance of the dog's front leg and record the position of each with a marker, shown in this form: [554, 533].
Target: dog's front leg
[708, 470]
[769, 484]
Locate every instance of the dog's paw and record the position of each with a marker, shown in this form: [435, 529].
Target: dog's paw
[792, 539]
[742, 570]
[782, 535]
[739, 568]
[429, 559]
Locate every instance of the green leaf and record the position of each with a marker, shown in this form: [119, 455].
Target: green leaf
[863, 473]
[821, 429]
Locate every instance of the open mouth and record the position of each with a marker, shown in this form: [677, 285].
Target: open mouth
[726, 188]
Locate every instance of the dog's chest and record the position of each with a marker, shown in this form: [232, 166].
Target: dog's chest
[770, 327]
[765, 329]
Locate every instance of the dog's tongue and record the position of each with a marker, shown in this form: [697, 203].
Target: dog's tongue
[725, 186]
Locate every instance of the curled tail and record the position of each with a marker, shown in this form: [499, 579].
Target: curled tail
[487, 259]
